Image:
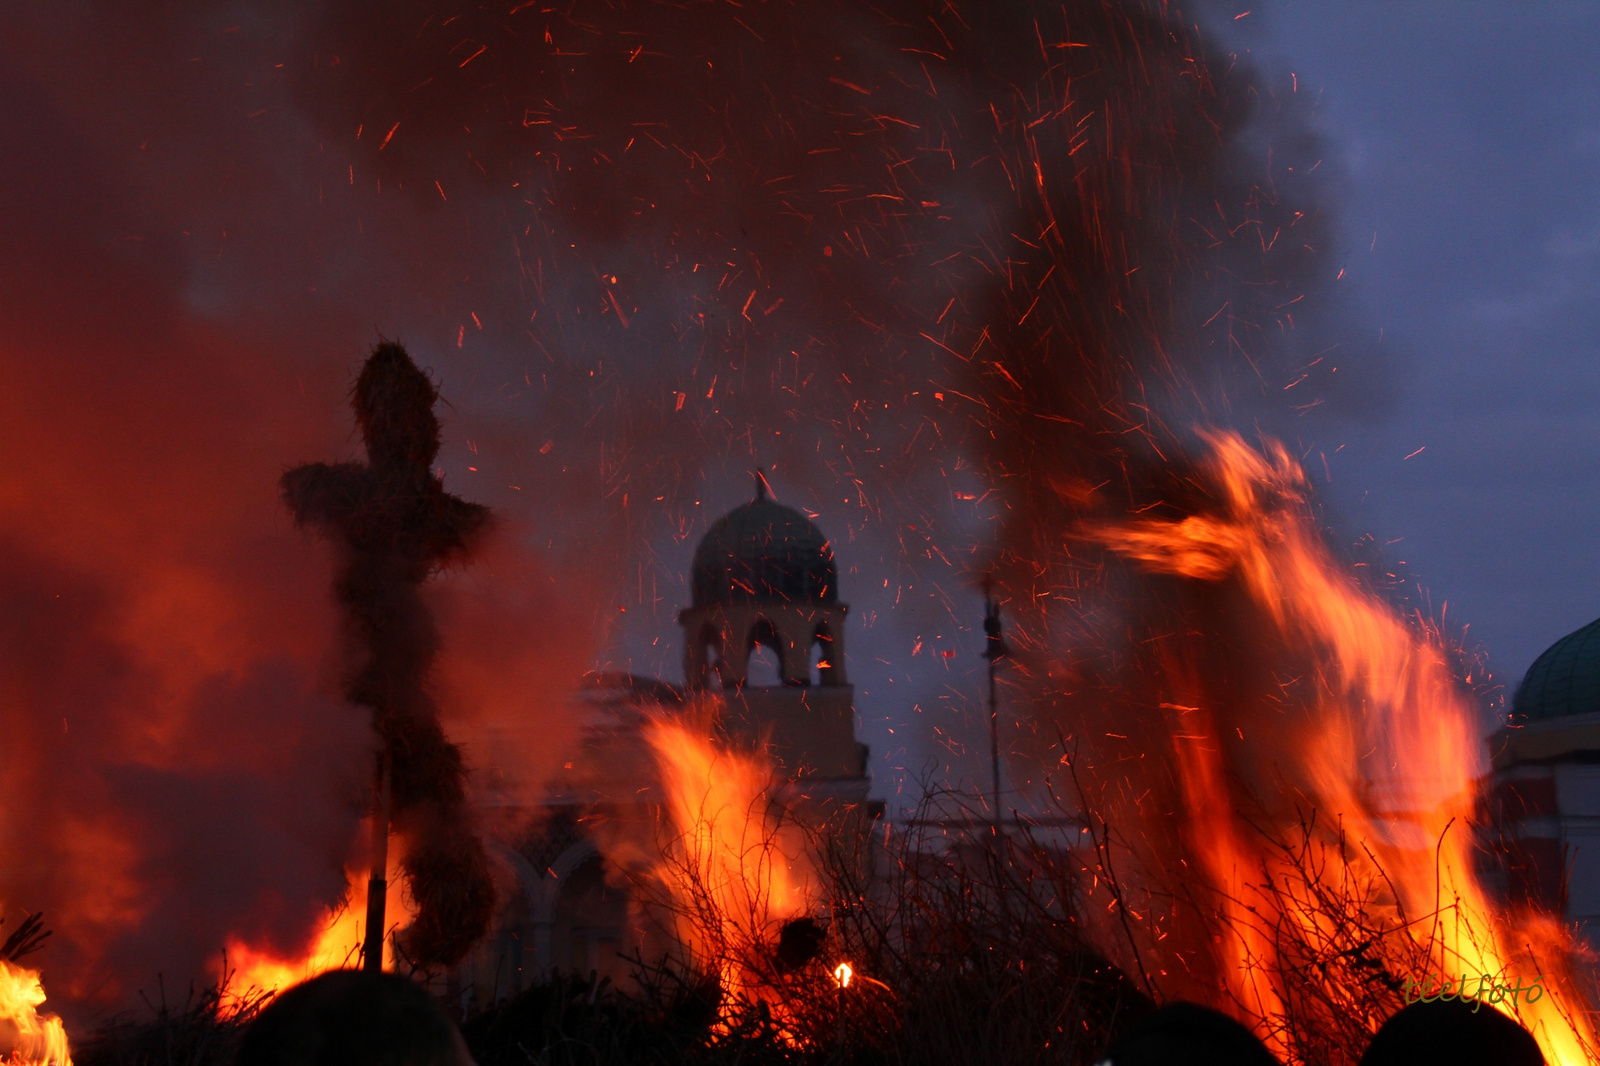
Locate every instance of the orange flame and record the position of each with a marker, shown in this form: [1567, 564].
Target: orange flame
[34, 1039]
[337, 946]
[737, 869]
[1391, 749]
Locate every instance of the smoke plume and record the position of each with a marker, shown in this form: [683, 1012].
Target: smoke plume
[957, 273]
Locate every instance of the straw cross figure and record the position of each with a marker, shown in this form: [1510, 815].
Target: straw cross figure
[393, 525]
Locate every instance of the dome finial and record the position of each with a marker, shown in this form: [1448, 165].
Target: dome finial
[761, 483]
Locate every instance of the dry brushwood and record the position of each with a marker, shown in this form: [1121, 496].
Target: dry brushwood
[25, 939]
[964, 947]
[203, 1030]
[1341, 945]
[967, 946]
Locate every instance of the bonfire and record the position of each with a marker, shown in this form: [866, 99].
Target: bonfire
[994, 285]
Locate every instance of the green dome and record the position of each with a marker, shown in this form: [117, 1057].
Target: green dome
[1564, 681]
[763, 551]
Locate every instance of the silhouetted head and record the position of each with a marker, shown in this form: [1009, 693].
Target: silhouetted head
[799, 941]
[393, 402]
[1425, 1034]
[353, 1018]
[1187, 1034]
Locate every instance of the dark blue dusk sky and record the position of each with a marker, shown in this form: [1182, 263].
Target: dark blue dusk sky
[1468, 137]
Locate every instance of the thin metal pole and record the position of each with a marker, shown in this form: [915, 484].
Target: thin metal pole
[994, 651]
[378, 878]
[994, 746]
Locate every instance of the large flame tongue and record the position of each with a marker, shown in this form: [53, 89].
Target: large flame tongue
[249, 970]
[1383, 758]
[737, 870]
[28, 1038]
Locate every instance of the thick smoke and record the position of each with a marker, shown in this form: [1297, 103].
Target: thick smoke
[175, 764]
[170, 770]
[394, 525]
[1038, 242]
[969, 269]
[961, 273]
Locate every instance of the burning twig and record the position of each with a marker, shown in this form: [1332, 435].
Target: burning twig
[202, 1030]
[25, 939]
[1102, 850]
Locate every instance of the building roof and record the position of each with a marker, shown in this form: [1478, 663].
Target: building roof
[763, 552]
[1564, 681]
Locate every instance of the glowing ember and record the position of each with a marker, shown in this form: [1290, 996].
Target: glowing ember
[337, 946]
[31, 1038]
[1391, 749]
[737, 870]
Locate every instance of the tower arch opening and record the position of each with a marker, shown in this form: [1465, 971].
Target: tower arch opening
[765, 650]
[703, 656]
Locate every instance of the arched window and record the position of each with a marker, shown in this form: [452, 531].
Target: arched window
[710, 657]
[766, 655]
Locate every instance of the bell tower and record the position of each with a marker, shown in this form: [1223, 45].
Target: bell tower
[764, 576]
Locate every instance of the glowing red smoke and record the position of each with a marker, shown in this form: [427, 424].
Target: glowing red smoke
[908, 253]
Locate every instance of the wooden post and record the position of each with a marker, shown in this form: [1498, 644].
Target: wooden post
[378, 879]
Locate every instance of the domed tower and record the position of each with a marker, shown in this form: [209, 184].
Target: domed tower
[1546, 795]
[764, 575]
